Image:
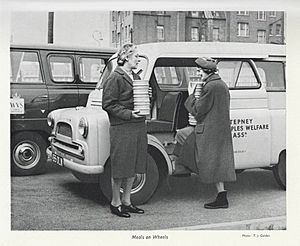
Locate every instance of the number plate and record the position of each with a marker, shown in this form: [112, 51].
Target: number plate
[57, 159]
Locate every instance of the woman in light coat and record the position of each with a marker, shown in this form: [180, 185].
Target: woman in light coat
[207, 149]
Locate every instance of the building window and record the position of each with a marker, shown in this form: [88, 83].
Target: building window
[126, 34]
[119, 16]
[243, 13]
[272, 13]
[160, 32]
[216, 34]
[195, 14]
[215, 14]
[119, 38]
[261, 15]
[271, 33]
[261, 36]
[243, 29]
[129, 33]
[113, 36]
[194, 34]
[278, 30]
[113, 15]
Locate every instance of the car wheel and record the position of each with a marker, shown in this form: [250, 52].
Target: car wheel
[143, 187]
[279, 171]
[28, 154]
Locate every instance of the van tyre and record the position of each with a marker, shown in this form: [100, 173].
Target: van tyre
[279, 171]
[144, 185]
[28, 154]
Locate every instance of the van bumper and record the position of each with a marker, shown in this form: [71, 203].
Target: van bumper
[72, 165]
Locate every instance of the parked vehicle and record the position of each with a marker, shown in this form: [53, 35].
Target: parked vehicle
[255, 74]
[45, 78]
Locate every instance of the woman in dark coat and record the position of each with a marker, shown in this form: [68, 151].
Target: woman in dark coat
[207, 149]
[128, 137]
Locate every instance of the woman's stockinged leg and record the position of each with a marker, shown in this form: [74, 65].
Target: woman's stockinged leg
[116, 185]
[127, 185]
[220, 186]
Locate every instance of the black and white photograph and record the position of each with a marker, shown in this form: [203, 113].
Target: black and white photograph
[149, 122]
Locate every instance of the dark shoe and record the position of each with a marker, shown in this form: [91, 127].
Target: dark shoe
[220, 202]
[132, 209]
[119, 211]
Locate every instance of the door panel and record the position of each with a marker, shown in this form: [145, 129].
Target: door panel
[60, 76]
[28, 91]
[249, 114]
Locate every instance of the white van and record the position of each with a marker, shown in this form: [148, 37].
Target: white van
[255, 74]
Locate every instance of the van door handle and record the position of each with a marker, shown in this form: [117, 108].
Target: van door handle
[40, 98]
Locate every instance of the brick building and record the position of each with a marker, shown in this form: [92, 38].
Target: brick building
[167, 26]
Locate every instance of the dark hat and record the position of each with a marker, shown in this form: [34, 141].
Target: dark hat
[206, 63]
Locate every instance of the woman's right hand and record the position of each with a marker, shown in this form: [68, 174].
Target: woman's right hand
[135, 114]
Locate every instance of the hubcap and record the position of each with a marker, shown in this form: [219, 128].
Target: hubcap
[26, 155]
[139, 182]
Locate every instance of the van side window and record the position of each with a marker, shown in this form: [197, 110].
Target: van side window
[61, 68]
[91, 69]
[272, 75]
[25, 67]
[238, 74]
[175, 73]
[168, 75]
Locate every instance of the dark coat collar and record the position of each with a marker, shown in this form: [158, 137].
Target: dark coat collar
[212, 77]
[124, 74]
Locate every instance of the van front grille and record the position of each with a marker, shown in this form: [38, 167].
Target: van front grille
[64, 129]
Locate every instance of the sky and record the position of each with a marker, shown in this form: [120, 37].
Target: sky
[70, 27]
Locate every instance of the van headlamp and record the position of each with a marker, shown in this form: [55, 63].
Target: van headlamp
[83, 127]
[50, 120]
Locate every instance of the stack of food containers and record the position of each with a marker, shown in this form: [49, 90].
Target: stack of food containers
[141, 98]
[197, 93]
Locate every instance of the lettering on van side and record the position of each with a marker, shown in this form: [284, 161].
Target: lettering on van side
[241, 127]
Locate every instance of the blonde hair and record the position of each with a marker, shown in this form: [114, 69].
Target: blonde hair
[124, 52]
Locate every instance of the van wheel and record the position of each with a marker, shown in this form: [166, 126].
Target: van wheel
[279, 171]
[28, 154]
[143, 187]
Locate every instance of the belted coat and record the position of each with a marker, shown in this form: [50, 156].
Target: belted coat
[208, 150]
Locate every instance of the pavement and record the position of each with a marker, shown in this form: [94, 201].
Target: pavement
[271, 223]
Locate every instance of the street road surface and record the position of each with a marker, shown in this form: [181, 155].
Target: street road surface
[57, 201]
